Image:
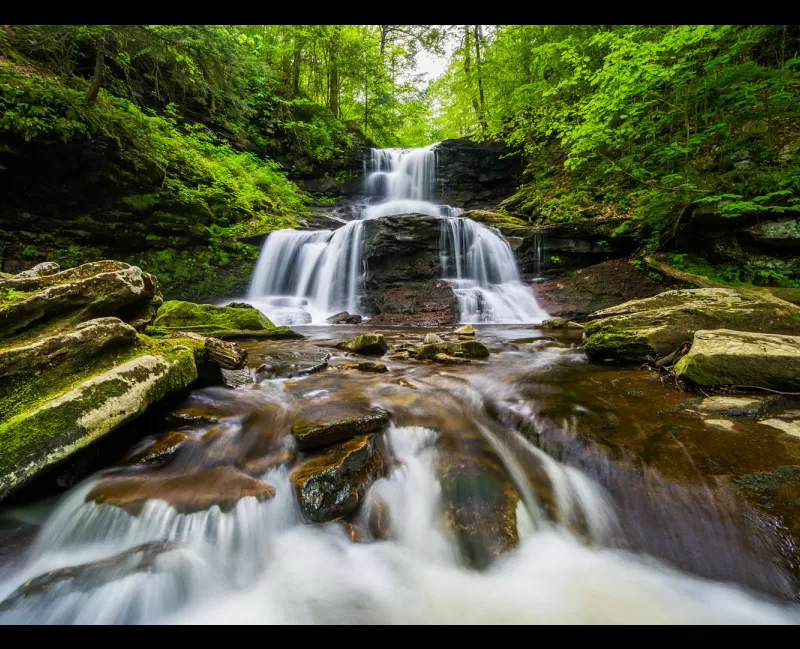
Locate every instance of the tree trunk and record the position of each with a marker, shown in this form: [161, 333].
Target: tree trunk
[482, 113]
[296, 71]
[467, 71]
[99, 64]
[384, 35]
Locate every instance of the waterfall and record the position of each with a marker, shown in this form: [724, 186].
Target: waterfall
[305, 277]
[480, 266]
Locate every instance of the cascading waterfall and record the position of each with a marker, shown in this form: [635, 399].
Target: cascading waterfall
[480, 266]
[304, 277]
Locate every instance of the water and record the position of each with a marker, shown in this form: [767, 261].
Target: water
[480, 450]
[305, 277]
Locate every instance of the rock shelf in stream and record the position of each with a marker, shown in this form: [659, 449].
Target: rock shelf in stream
[326, 423]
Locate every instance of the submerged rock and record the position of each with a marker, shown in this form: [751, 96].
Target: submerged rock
[734, 406]
[725, 357]
[162, 451]
[290, 364]
[327, 423]
[88, 576]
[332, 483]
[366, 344]
[657, 326]
[225, 322]
[344, 318]
[402, 355]
[222, 486]
[367, 366]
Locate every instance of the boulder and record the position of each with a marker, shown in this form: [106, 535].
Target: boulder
[331, 484]
[329, 422]
[236, 378]
[344, 318]
[432, 339]
[658, 325]
[367, 366]
[402, 355]
[222, 486]
[725, 357]
[466, 348]
[225, 322]
[366, 344]
[557, 323]
[466, 330]
[225, 354]
[745, 407]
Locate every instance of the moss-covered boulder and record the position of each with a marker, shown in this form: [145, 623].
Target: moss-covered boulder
[725, 357]
[225, 322]
[366, 344]
[331, 484]
[367, 366]
[465, 348]
[329, 422]
[465, 330]
[190, 492]
[657, 326]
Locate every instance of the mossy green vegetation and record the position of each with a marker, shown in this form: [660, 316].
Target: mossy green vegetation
[224, 322]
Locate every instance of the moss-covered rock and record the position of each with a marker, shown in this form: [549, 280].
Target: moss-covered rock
[366, 344]
[225, 322]
[326, 423]
[367, 366]
[332, 483]
[465, 348]
[37, 438]
[725, 357]
[657, 326]
[466, 330]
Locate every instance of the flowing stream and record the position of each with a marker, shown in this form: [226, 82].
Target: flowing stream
[305, 277]
[495, 509]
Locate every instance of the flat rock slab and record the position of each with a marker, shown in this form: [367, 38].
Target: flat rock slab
[657, 326]
[331, 484]
[734, 406]
[725, 357]
[186, 492]
[291, 364]
[330, 422]
[367, 366]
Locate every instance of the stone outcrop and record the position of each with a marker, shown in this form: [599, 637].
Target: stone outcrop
[225, 322]
[73, 367]
[401, 254]
[475, 175]
[725, 357]
[657, 326]
[331, 484]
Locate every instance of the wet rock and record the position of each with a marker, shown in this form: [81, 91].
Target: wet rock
[290, 364]
[366, 344]
[223, 322]
[432, 339]
[789, 427]
[193, 416]
[745, 407]
[367, 366]
[657, 326]
[331, 484]
[88, 576]
[406, 384]
[450, 360]
[162, 451]
[344, 318]
[186, 492]
[15, 538]
[725, 357]
[237, 378]
[379, 519]
[508, 225]
[330, 422]
[59, 427]
[466, 330]
[557, 323]
[467, 348]
[400, 356]
[40, 270]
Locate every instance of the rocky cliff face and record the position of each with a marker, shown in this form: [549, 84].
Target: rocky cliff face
[401, 254]
[475, 175]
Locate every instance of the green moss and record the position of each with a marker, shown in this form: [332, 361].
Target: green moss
[601, 341]
[764, 481]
